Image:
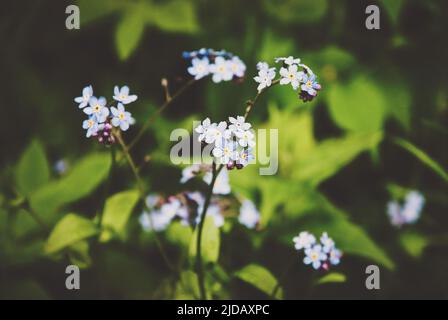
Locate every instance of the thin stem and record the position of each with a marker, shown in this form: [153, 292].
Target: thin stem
[281, 278]
[199, 266]
[107, 187]
[168, 101]
[142, 193]
[251, 103]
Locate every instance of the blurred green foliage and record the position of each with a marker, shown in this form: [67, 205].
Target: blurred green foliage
[376, 131]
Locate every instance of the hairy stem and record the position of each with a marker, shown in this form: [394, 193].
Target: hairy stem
[168, 101]
[251, 103]
[199, 266]
[142, 194]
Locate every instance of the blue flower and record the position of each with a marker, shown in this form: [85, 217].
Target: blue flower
[83, 101]
[91, 126]
[122, 95]
[315, 256]
[249, 215]
[310, 84]
[121, 118]
[327, 242]
[335, 256]
[409, 213]
[97, 108]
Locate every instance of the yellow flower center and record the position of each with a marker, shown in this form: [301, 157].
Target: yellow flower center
[97, 108]
[309, 84]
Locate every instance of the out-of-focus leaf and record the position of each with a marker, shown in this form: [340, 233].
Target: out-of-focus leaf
[297, 11]
[210, 242]
[393, 8]
[333, 277]
[78, 254]
[331, 155]
[178, 234]
[92, 10]
[83, 179]
[69, 230]
[260, 278]
[413, 243]
[187, 287]
[116, 213]
[358, 106]
[273, 46]
[24, 289]
[173, 16]
[33, 169]
[398, 100]
[129, 32]
[24, 224]
[423, 157]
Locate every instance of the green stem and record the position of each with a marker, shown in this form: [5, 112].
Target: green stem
[142, 194]
[168, 101]
[251, 103]
[199, 266]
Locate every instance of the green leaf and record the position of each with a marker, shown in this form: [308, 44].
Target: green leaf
[296, 11]
[393, 8]
[210, 242]
[333, 277]
[129, 32]
[358, 106]
[423, 157]
[173, 16]
[78, 254]
[187, 287]
[33, 169]
[178, 234]
[69, 230]
[413, 243]
[82, 180]
[331, 155]
[116, 213]
[260, 278]
[93, 10]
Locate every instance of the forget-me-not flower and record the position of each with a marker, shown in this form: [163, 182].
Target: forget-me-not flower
[122, 95]
[83, 101]
[121, 118]
[97, 108]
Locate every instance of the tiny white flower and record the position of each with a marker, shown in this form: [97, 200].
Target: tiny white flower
[263, 65]
[203, 128]
[122, 95]
[225, 152]
[91, 126]
[394, 213]
[121, 118]
[246, 138]
[199, 68]
[83, 101]
[314, 256]
[245, 156]
[222, 183]
[291, 75]
[239, 124]
[217, 133]
[221, 70]
[249, 215]
[154, 221]
[304, 240]
[335, 256]
[190, 172]
[288, 61]
[152, 200]
[264, 78]
[327, 242]
[412, 207]
[237, 67]
[97, 108]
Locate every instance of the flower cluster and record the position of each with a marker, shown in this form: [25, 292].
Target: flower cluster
[409, 212]
[232, 143]
[222, 65]
[293, 73]
[319, 255]
[187, 207]
[101, 119]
